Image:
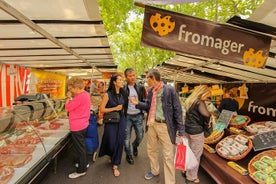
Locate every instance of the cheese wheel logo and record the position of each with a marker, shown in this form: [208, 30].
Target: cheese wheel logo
[250, 58]
[162, 26]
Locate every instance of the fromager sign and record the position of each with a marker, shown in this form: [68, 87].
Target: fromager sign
[177, 32]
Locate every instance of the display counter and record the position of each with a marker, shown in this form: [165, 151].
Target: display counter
[31, 136]
[52, 142]
[43, 154]
[218, 169]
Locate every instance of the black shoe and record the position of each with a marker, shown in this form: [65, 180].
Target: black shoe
[183, 173]
[130, 159]
[135, 151]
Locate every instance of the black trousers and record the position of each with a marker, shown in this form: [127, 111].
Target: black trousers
[79, 150]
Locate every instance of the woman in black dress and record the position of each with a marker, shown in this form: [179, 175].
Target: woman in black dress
[114, 133]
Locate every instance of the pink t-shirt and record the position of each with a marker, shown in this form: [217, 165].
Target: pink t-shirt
[79, 111]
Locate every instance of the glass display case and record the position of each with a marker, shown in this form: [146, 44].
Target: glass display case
[31, 135]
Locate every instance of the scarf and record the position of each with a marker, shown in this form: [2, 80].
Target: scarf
[155, 90]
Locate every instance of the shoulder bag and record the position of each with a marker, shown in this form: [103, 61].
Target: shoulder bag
[112, 117]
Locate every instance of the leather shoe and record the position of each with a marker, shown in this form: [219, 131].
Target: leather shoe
[130, 159]
[135, 151]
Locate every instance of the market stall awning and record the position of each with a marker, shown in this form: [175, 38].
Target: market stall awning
[66, 37]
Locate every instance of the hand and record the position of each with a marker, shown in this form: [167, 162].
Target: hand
[69, 94]
[119, 107]
[133, 100]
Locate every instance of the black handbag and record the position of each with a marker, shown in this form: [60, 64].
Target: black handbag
[112, 117]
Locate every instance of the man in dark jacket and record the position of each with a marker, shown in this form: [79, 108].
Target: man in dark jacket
[134, 116]
[164, 119]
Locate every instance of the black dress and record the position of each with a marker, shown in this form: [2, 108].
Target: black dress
[114, 133]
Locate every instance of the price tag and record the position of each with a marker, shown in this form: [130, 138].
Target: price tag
[224, 118]
[264, 140]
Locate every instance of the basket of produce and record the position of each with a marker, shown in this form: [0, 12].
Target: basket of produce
[260, 127]
[214, 137]
[234, 147]
[239, 121]
[262, 167]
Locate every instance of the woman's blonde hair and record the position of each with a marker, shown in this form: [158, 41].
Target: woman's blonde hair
[76, 82]
[202, 90]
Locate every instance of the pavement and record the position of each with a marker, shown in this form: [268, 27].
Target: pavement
[100, 171]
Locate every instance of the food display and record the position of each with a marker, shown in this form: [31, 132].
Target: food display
[262, 167]
[6, 173]
[260, 127]
[14, 160]
[27, 142]
[17, 149]
[234, 147]
[214, 137]
[239, 121]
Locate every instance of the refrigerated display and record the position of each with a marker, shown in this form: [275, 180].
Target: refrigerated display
[30, 140]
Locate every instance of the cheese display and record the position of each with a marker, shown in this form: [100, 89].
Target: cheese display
[260, 127]
[262, 167]
[234, 147]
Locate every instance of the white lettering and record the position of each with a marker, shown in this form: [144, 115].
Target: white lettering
[196, 38]
[261, 110]
[225, 46]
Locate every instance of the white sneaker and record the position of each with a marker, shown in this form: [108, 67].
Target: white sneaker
[77, 165]
[76, 175]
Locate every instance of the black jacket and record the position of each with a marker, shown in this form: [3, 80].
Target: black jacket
[141, 92]
[196, 116]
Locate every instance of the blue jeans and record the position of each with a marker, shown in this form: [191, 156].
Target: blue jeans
[137, 123]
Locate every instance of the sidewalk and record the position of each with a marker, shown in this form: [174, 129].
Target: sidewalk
[100, 172]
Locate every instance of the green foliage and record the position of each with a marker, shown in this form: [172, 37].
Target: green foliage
[124, 21]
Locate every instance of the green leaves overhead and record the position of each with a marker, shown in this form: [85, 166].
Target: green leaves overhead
[123, 22]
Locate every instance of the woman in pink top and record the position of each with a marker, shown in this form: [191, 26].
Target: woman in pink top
[78, 109]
